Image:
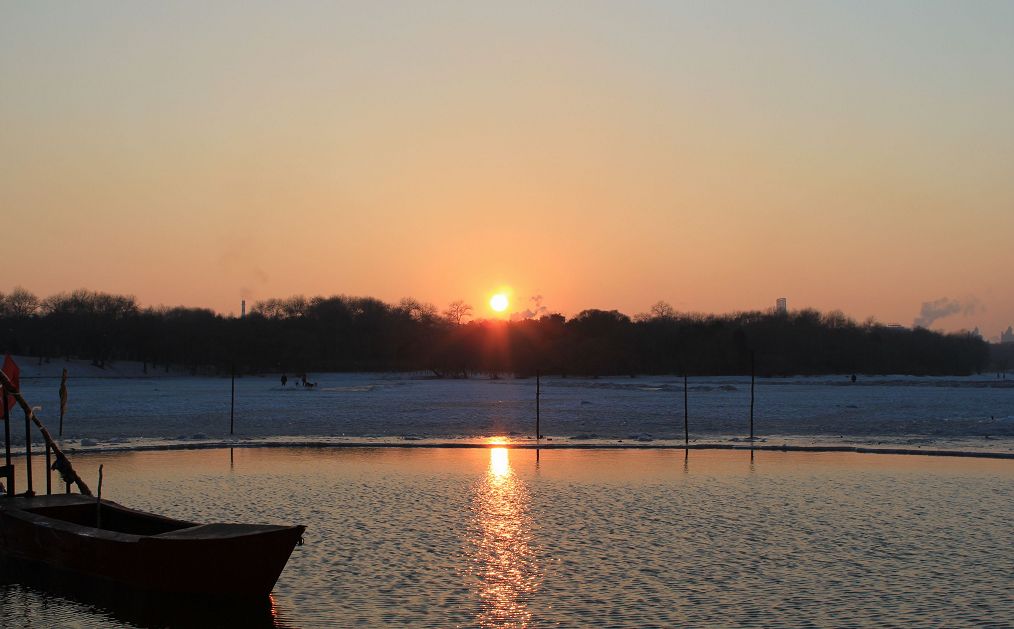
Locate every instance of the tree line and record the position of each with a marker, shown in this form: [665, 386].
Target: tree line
[343, 333]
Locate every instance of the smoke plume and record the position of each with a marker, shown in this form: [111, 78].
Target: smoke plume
[944, 307]
[536, 310]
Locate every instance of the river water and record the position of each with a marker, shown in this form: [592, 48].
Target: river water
[500, 537]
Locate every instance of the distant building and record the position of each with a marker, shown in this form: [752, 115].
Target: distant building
[781, 306]
[1008, 336]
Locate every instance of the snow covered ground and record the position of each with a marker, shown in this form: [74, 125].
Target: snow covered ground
[121, 406]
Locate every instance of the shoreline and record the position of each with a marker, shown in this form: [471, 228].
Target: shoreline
[222, 445]
[83, 369]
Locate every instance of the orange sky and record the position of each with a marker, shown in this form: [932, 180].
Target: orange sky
[599, 155]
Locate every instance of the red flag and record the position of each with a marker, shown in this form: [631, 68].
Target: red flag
[13, 374]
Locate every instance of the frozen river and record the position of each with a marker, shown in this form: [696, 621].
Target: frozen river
[966, 413]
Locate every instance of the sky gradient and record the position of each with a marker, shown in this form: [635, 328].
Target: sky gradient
[851, 156]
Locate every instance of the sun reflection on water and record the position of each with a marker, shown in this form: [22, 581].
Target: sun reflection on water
[503, 561]
[499, 463]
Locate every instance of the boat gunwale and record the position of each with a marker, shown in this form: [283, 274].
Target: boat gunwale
[184, 533]
[29, 515]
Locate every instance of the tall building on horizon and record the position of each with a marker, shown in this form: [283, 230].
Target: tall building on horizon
[1008, 336]
[781, 306]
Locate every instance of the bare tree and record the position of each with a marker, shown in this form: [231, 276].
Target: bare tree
[289, 308]
[20, 303]
[456, 311]
[662, 310]
[419, 311]
[268, 308]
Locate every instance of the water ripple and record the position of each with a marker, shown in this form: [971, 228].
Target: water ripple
[515, 538]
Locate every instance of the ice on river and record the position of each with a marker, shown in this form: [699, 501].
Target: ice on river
[970, 412]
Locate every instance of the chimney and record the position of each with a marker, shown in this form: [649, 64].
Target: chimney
[242, 309]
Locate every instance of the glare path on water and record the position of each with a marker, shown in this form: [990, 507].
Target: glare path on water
[503, 560]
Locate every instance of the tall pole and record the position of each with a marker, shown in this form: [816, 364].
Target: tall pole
[753, 378]
[232, 402]
[538, 403]
[28, 454]
[686, 412]
[7, 442]
[98, 502]
[49, 471]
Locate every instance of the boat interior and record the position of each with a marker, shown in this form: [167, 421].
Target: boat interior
[113, 518]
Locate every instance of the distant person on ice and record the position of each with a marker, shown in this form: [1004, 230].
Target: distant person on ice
[285, 379]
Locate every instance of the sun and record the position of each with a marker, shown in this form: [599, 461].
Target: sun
[498, 302]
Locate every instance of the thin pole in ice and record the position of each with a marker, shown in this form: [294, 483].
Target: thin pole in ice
[753, 378]
[232, 402]
[686, 412]
[538, 403]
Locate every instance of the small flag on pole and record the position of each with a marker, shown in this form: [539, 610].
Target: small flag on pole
[63, 398]
[13, 374]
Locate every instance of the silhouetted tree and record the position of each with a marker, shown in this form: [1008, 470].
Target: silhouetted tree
[19, 303]
[457, 311]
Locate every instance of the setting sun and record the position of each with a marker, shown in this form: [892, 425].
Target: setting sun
[498, 302]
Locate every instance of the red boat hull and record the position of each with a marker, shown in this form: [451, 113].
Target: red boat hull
[145, 551]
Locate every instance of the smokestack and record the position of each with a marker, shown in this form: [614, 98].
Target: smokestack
[242, 309]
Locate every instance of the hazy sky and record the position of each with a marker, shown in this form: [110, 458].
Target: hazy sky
[717, 155]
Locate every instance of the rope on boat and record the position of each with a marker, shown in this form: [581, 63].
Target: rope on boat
[62, 463]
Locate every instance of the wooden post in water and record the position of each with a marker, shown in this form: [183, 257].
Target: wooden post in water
[28, 454]
[686, 413]
[7, 443]
[753, 377]
[538, 403]
[232, 402]
[49, 471]
[98, 502]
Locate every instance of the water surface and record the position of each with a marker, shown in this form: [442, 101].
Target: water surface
[500, 537]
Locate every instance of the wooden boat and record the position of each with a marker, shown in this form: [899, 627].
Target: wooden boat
[143, 551]
[78, 538]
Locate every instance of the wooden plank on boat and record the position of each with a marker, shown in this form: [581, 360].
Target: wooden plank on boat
[221, 531]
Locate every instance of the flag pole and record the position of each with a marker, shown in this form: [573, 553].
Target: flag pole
[7, 444]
